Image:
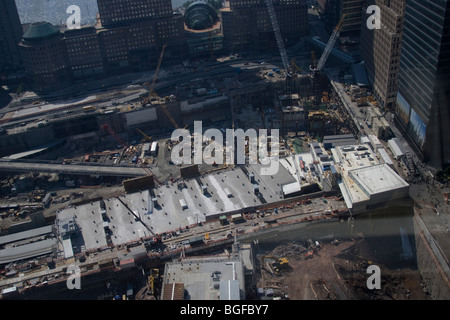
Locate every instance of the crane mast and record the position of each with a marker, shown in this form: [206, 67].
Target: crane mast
[315, 68]
[158, 67]
[278, 37]
[281, 47]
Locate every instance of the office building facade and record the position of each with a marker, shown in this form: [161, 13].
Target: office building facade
[10, 36]
[380, 49]
[44, 57]
[129, 37]
[246, 24]
[335, 9]
[124, 12]
[423, 99]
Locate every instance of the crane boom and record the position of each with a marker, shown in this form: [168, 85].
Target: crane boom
[146, 137]
[157, 70]
[330, 44]
[114, 135]
[174, 123]
[278, 37]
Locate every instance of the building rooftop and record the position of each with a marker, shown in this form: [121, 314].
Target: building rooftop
[302, 177]
[25, 235]
[365, 179]
[40, 31]
[28, 251]
[377, 179]
[207, 279]
[173, 205]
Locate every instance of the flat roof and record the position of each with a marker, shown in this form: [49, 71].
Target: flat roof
[229, 290]
[167, 214]
[25, 235]
[377, 179]
[28, 251]
[384, 155]
[350, 159]
[292, 166]
[88, 218]
[395, 147]
[67, 246]
[202, 277]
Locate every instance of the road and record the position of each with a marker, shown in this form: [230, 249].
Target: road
[72, 169]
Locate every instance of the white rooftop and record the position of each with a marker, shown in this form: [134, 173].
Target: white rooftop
[365, 179]
[377, 179]
[203, 278]
[178, 205]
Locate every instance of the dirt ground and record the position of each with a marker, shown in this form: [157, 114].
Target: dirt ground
[337, 272]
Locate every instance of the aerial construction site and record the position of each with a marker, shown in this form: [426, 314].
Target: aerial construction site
[89, 181]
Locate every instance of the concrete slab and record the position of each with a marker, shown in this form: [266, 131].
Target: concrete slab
[201, 278]
[89, 220]
[122, 223]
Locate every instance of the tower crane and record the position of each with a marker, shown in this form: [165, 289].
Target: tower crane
[152, 89]
[174, 123]
[146, 137]
[158, 67]
[281, 47]
[295, 67]
[326, 53]
[115, 136]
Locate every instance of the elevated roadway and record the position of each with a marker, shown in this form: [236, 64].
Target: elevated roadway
[71, 169]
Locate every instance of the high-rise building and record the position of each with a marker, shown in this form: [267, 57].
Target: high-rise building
[423, 99]
[44, 57]
[84, 53]
[131, 41]
[335, 9]
[124, 12]
[380, 49]
[10, 35]
[247, 26]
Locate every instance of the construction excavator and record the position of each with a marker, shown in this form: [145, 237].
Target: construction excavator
[277, 266]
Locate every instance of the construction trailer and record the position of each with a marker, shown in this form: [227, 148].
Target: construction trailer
[154, 149]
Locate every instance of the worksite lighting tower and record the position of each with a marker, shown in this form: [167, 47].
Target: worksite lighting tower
[326, 53]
